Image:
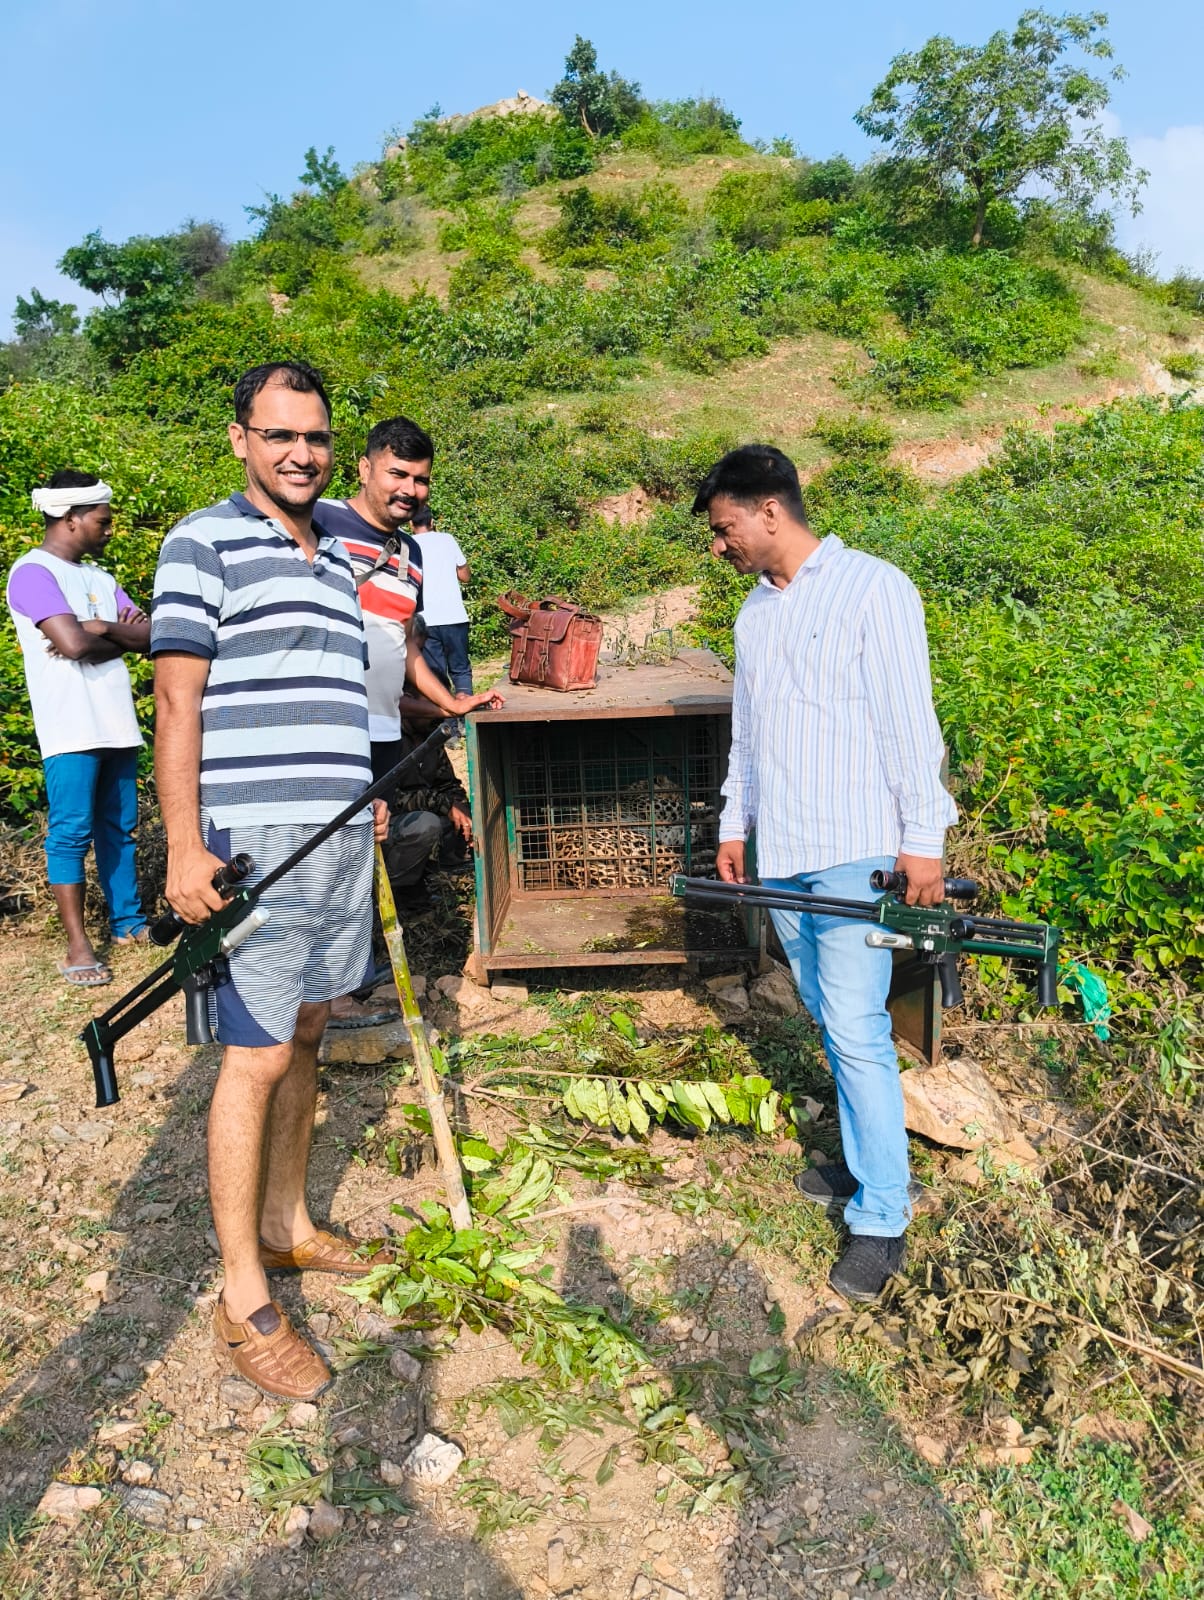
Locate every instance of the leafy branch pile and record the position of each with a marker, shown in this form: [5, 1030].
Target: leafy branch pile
[479, 1279]
[736, 1450]
[280, 1474]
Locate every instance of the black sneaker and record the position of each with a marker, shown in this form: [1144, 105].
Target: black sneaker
[828, 1184]
[867, 1266]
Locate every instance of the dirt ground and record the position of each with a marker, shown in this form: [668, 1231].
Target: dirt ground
[108, 1273]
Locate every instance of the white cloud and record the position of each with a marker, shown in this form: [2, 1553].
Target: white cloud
[1171, 219]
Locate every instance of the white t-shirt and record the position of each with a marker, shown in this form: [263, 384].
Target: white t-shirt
[442, 603]
[77, 705]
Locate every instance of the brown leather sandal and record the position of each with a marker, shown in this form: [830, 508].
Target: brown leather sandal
[279, 1362]
[325, 1252]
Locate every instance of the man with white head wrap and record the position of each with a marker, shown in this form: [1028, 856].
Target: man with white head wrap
[74, 623]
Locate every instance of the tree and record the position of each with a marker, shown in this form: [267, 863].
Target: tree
[999, 116]
[602, 102]
[323, 173]
[144, 282]
[41, 318]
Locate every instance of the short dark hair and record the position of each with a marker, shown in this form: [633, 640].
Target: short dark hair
[71, 478]
[753, 473]
[422, 517]
[402, 438]
[293, 375]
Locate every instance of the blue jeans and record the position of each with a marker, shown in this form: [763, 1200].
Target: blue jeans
[844, 985]
[92, 798]
[446, 652]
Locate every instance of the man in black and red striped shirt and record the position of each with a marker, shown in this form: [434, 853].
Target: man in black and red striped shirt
[395, 479]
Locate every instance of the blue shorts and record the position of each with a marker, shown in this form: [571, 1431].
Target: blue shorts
[317, 943]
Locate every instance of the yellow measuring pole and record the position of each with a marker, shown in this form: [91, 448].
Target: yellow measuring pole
[445, 1146]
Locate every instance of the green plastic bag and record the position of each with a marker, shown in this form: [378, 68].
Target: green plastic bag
[1092, 993]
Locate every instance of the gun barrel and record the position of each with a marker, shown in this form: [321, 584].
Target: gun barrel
[446, 731]
[939, 935]
[759, 894]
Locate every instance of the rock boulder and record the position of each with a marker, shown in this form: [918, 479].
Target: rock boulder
[955, 1104]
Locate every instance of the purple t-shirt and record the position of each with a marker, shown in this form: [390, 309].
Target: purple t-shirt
[35, 593]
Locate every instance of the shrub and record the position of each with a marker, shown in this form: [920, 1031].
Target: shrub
[596, 229]
[679, 130]
[461, 160]
[760, 210]
[1101, 363]
[988, 309]
[833, 180]
[853, 436]
[1186, 290]
[866, 484]
[967, 316]
[917, 374]
[1184, 364]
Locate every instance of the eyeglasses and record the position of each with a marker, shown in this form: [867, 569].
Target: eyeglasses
[282, 438]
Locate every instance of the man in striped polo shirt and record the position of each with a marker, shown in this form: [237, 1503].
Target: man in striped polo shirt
[836, 761]
[262, 736]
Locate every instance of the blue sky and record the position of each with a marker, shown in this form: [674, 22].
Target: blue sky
[131, 115]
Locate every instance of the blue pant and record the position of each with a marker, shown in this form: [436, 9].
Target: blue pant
[93, 799]
[844, 985]
[446, 652]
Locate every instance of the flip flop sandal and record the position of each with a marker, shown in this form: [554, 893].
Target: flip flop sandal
[137, 936]
[76, 976]
[374, 1019]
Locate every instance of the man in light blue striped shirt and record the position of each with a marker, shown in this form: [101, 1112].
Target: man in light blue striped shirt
[261, 737]
[835, 761]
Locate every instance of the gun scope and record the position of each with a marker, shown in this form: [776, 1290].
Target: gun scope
[226, 879]
[896, 883]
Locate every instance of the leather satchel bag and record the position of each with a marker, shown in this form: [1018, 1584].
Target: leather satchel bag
[553, 643]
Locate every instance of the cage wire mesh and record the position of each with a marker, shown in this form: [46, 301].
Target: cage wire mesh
[614, 805]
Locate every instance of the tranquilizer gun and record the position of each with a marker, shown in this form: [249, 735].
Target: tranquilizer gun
[938, 934]
[199, 963]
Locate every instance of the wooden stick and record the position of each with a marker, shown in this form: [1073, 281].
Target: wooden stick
[1113, 1155]
[445, 1147]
